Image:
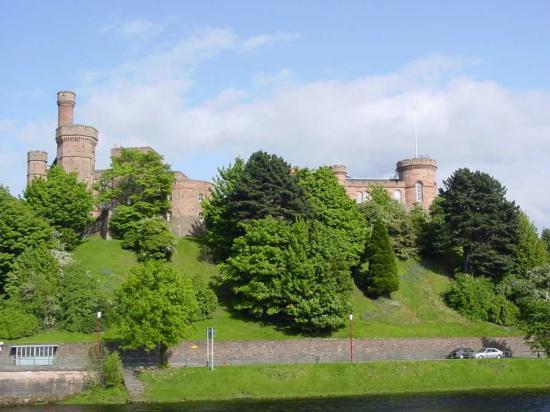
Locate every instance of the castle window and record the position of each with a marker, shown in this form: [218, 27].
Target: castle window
[419, 192]
[201, 217]
[168, 216]
[201, 197]
[397, 195]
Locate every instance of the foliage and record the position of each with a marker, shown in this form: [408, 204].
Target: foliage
[329, 204]
[292, 272]
[382, 277]
[63, 201]
[476, 298]
[399, 223]
[151, 239]
[267, 187]
[206, 298]
[80, 300]
[16, 323]
[480, 221]
[35, 282]
[545, 236]
[219, 220]
[531, 293]
[531, 249]
[434, 239]
[155, 307]
[111, 369]
[137, 186]
[20, 230]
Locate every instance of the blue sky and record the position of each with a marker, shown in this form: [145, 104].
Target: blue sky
[315, 81]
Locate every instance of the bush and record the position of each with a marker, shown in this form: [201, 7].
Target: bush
[112, 370]
[476, 298]
[15, 323]
[151, 239]
[206, 298]
[382, 278]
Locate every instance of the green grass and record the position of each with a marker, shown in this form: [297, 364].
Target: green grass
[301, 381]
[415, 310]
[99, 396]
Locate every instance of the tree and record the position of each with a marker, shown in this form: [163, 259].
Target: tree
[137, 186]
[151, 239]
[546, 239]
[20, 230]
[382, 277]
[206, 298]
[15, 323]
[35, 282]
[219, 220]
[155, 306]
[80, 299]
[329, 204]
[293, 273]
[267, 187]
[63, 201]
[531, 249]
[396, 219]
[480, 220]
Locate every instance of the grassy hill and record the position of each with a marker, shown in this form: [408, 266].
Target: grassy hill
[415, 310]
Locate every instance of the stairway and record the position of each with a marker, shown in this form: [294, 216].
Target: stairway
[135, 388]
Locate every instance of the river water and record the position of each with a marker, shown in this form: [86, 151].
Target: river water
[486, 401]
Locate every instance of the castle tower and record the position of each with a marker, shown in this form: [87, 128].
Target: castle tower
[419, 175]
[75, 143]
[341, 172]
[37, 165]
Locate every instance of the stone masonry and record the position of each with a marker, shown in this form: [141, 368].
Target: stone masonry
[414, 182]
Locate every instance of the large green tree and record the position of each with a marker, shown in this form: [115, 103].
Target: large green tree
[63, 201]
[382, 277]
[545, 236]
[155, 307]
[20, 229]
[292, 273]
[329, 204]
[531, 249]
[219, 220]
[481, 221]
[138, 185]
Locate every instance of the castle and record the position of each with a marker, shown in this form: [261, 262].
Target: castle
[414, 183]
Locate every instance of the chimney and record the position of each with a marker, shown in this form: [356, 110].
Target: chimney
[65, 103]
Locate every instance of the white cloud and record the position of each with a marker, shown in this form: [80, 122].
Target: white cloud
[260, 40]
[137, 29]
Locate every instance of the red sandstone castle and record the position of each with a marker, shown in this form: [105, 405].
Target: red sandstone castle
[414, 183]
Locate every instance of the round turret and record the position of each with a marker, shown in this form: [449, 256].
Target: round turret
[341, 172]
[37, 165]
[65, 104]
[419, 175]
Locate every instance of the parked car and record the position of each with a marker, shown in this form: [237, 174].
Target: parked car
[489, 353]
[462, 353]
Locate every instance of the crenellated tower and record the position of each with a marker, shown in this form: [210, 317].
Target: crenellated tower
[75, 143]
[37, 165]
[419, 176]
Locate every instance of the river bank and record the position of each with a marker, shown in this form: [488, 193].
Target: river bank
[334, 380]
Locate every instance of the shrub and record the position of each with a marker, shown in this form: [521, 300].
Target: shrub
[151, 239]
[112, 370]
[15, 323]
[476, 298]
[206, 298]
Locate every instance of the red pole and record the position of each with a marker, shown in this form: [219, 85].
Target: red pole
[350, 340]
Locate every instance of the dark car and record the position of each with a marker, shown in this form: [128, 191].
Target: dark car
[462, 353]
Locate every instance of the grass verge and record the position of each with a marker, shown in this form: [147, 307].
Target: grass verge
[99, 396]
[329, 380]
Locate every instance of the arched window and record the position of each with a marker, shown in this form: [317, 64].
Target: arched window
[419, 192]
[397, 195]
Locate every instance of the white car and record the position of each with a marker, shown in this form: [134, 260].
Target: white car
[489, 353]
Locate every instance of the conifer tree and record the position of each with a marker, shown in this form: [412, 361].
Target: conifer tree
[382, 277]
[546, 238]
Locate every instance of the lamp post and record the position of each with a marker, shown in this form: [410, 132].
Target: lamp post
[350, 340]
[98, 324]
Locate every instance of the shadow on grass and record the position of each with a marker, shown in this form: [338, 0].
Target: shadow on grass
[446, 265]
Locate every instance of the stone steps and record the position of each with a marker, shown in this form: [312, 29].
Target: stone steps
[135, 388]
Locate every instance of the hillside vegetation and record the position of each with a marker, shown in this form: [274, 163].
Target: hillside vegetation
[415, 310]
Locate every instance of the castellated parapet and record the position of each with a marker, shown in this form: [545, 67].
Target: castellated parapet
[37, 165]
[341, 172]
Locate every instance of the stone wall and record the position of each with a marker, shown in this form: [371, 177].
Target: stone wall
[39, 386]
[334, 350]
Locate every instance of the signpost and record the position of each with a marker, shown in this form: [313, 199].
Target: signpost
[210, 333]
